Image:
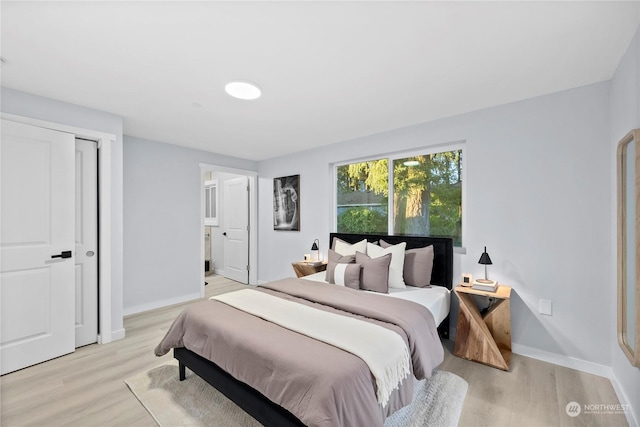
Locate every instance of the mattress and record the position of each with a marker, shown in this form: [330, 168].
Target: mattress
[319, 383]
[435, 298]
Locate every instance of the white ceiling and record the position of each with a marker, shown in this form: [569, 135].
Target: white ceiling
[329, 71]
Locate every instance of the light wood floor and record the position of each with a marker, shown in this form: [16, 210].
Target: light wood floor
[87, 388]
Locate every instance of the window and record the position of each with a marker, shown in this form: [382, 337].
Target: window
[402, 195]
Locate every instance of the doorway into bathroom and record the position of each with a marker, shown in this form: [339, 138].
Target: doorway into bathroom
[229, 221]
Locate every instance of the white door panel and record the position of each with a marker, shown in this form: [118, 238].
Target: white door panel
[38, 216]
[25, 209]
[236, 224]
[86, 270]
[35, 286]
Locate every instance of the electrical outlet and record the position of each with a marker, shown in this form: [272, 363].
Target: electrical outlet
[544, 307]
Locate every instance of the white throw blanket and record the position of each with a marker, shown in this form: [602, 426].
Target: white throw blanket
[383, 350]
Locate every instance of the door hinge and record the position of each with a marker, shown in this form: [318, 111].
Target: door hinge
[247, 268]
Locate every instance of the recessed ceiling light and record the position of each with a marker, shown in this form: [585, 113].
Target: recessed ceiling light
[411, 163]
[243, 90]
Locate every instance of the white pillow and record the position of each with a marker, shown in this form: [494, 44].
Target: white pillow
[397, 262]
[344, 248]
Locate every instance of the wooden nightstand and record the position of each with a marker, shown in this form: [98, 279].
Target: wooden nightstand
[303, 269]
[484, 338]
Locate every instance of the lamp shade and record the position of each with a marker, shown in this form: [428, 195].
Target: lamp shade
[314, 247]
[484, 258]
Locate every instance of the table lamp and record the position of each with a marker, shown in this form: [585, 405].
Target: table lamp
[485, 260]
[316, 247]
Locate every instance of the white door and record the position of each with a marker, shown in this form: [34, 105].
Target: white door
[36, 239]
[236, 229]
[86, 242]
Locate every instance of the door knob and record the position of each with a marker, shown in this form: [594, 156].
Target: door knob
[63, 254]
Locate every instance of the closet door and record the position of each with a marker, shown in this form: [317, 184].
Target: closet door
[86, 247]
[37, 272]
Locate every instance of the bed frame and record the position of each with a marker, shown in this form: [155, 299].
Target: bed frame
[255, 403]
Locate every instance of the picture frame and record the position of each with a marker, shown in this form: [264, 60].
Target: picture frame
[286, 203]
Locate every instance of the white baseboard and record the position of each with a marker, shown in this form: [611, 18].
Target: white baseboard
[562, 360]
[556, 359]
[218, 271]
[115, 335]
[158, 304]
[118, 335]
[632, 418]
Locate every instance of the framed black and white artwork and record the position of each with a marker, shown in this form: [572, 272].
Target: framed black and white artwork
[286, 203]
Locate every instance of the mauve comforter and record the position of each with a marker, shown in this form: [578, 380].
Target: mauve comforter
[320, 384]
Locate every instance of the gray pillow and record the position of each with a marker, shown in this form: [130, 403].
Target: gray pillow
[333, 259]
[375, 272]
[418, 265]
[347, 275]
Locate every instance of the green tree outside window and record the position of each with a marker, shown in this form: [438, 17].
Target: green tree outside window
[426, 194]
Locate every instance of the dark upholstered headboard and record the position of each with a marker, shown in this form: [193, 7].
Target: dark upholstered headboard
[442, 273]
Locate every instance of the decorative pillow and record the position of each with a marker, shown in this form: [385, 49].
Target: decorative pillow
[397, 261]
[347, 275]
[375, 272]
[418, 265]
[333, 259]
[344, 248]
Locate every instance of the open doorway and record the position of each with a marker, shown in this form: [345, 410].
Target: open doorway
[229, 223]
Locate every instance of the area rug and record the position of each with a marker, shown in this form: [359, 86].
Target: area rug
[193, 402]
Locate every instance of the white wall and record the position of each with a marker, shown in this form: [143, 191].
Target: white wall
[162, 253]
[625, 115]
[538, 193]
[37, 107]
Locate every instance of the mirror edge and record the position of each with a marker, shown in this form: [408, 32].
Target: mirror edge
[632, 354]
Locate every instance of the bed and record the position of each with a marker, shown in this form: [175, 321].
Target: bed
[264, 409]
